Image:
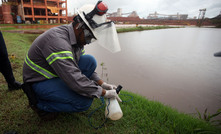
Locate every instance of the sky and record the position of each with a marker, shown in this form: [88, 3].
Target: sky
[144, 7]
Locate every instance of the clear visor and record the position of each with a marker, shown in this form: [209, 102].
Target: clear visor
[107, 37]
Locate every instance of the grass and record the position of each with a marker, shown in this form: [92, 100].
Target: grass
[141, 28]
[27, 24]
[120, 30]
[140, 115]
[7, 27]
[19, 29]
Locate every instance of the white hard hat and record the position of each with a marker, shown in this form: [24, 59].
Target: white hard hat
[105, 32]
[98, 19]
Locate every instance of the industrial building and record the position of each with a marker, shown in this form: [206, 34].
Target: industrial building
[177, 16]
[120, 14]
[33, 11]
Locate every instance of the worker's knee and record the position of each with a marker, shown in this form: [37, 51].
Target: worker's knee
[88, 60]
[87, 65]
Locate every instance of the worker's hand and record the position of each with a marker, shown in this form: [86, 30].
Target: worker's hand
[108, 86]
[112, 94]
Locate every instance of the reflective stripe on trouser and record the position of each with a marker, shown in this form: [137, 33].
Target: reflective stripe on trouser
[55, 96]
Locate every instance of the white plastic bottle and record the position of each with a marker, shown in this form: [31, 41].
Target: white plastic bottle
[115, 112]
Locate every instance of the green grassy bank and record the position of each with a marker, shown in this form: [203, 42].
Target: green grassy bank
[7, 27]
[140, 115]
[142, 28]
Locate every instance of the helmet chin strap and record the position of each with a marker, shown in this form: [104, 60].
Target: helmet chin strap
[77, 19]
[80, 25]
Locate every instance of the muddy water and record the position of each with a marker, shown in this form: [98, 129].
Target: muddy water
[173, 66]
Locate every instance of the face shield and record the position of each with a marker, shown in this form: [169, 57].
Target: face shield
[108, 37]
[104, 32]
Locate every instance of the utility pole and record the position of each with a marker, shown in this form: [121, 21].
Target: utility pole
[201, 16]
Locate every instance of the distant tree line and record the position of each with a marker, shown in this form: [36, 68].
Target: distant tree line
[217, 21]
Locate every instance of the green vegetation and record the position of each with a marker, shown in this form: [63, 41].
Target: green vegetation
[217, 21]
[209, 118]
[19, 27]
[140, 115]
[27, 24]
[141, 28]
[6, 27]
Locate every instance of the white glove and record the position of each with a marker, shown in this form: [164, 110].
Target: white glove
[108, 86]
[112, 94]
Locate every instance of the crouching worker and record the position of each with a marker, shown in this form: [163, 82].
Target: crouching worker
[58, 75]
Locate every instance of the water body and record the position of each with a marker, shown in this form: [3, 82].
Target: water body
[173, 66]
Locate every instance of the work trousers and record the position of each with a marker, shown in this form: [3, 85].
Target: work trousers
[5, 66]
[55, 96]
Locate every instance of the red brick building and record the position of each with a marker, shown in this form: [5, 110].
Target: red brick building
[38, 11]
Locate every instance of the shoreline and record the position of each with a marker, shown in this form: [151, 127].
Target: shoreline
[39, 29]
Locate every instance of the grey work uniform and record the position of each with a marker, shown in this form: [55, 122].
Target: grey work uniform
[54, 55]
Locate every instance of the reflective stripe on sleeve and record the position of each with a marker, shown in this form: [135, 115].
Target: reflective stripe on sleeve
[59, 55]
[39, 69]
[83, 52]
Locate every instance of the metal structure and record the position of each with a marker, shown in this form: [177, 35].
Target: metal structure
[177, 16]
[120, 14]
[201, 17]
[39, 11]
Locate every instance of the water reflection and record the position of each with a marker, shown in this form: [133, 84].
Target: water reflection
[173, 66]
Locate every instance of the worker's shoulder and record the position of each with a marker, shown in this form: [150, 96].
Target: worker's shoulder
[55, 33]
[57, 36]
[59, 30]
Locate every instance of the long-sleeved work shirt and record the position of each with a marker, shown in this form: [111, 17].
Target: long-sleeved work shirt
[55, 54]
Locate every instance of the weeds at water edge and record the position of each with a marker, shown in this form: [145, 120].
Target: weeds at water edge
[208, 118]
